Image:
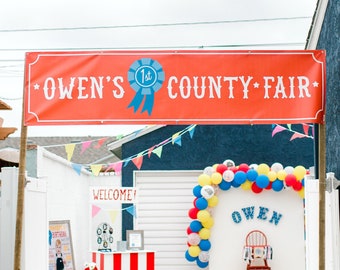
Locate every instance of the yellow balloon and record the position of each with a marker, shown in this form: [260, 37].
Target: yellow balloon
[209, 223]
[194, 251]
[216, 178]
[299, 172]
[272, 176]
[213, 201]
[281, 175]
[246, 185]
[204, 233]
[263, 169]
[203, 215]
[301, 192]
[204, 180]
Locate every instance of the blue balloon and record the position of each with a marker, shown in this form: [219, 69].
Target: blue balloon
[201, 264]
[204, 245]
[195, 226]
[197, 191]
[224, 185]
[277, 185]
[201, 203]
[234, 184]
[251, 175]
[188, 257]
[262, 181]
[303, 182]
[240, 177]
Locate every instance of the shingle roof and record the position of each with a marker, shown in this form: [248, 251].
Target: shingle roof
[95, 153]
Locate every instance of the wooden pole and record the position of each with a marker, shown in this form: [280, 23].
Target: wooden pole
[322, 195]
[21, 195]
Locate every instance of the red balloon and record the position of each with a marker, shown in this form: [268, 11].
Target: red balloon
[269, 186]
[297, 186]
[243, 167]
[255, 188]
[233, 169]
[193, 213]
[290, 180]
[189, 231]
[221, 168]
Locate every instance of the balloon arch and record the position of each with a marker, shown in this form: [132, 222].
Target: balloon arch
[255, 178]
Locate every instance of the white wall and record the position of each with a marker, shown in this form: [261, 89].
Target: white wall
[68, 199]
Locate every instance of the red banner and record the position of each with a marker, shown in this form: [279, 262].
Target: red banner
[174, 87]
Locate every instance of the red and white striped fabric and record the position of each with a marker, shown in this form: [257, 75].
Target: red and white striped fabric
[141, 260]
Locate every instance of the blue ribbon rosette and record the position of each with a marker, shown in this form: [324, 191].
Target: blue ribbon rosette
[146, 77]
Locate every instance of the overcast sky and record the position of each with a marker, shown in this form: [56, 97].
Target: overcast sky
[37, 25]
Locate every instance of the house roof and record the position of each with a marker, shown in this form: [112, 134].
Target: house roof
[93, 154]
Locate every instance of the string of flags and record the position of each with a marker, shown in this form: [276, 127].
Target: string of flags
[308, 131]
[157, 149]
[136, 159]
[114, 212]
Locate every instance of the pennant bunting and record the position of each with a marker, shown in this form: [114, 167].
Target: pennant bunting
[305, 128]
[192, 131]
[131, 210]
[96, 168]
[175, 137]
[77, 167]
[69, 148]
[95, 210]
[151, 150]
[289, 126]
[297, 135]
[100, 142]
[138, 161]
[117, 167]
[277, 129]
[113, 215]
[85, 145]
[158, 151]
[126, 161]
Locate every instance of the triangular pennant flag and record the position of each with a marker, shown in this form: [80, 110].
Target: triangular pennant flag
[120, 136]
[174, 137]
[113, 215]
[131, 210]
[150, 150]
[77, 168]
[126, 161]
[289, 126]
[192, 131]
[84, 146]
[297, 135]
[305, 128]
[117, 167]
[277, 129]
[95, 168]
[69, 148]
[100, 142]
[95, 210]
[138, 161]
[158, 151]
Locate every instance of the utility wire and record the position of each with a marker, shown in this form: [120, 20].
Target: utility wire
[152, 25]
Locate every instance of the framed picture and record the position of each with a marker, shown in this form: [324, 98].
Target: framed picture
[60, 246]
[135, 239]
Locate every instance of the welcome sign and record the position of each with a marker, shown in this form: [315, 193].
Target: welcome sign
[174, 87]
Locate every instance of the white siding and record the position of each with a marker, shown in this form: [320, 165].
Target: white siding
[162, 212]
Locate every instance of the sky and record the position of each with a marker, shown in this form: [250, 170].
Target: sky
[40, 25]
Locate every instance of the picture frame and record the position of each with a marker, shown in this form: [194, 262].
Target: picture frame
[60, 245]
[135, 239]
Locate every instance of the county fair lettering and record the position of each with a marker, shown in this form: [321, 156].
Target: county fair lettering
[174, 87]
[198, 87]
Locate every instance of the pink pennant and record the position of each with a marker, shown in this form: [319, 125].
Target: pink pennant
[117, 167]
[95, 210]
[297, 135]
[84, 146]
[277, 129]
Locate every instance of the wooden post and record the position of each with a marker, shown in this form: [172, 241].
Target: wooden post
[21, 196]
[322, 195]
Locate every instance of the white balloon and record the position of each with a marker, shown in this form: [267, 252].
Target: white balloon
[209, 170]
[207, 191]
[276, 167]
[204, 256]
[228, 175]
[289, 170]
[229, 163]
